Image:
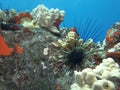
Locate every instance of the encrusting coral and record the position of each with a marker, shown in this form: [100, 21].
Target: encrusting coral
[111, 42]
[10, 20]
[21, 17]
[113, 36]
[97, 79]
[114, 52]
[48, 18]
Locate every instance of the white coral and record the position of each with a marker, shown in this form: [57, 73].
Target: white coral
[46, 17]
[106, 68]
[87, 78]
[79, 79]
[103, 85]
[2, 16]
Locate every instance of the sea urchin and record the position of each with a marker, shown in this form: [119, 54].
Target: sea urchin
[75, 57]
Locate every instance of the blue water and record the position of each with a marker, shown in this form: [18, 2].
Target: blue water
[106, 12]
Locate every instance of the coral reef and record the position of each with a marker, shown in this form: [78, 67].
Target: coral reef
[21, 17]
[2, 16]
[35, 54]
[6, 51]
[48, 18]
[31, 69]
[97, 79]
[41, 60]
[79, 51]
[111, 42]
[113, 35]
[114, 52]
[10, 20]
[6, 15]
[107, 69]
[25, 19]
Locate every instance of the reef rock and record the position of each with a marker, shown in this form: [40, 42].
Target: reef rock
[113, 36]
[33, 68]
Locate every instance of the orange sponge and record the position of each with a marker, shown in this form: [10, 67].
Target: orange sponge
[19, 49]
[4, 49]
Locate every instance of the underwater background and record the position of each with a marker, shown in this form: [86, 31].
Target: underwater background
[106, 12]
[59, 45]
